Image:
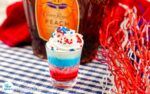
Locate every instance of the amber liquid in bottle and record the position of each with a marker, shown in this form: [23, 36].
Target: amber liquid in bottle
[38, 44]
[86, 19]
[44, 16]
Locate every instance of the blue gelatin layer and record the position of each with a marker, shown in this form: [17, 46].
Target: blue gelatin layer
[61, 62]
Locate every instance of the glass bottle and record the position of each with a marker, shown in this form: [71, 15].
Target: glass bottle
[84, 16]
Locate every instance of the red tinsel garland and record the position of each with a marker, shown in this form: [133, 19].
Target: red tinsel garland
[126, 39]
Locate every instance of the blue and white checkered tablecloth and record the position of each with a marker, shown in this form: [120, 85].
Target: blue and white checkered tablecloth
[30, 75]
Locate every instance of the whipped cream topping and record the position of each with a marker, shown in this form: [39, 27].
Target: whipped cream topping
[64, 39]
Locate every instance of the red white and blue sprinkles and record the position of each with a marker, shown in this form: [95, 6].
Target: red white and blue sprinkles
[67, 38]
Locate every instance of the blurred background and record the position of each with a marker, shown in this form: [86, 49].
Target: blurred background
[3, 6]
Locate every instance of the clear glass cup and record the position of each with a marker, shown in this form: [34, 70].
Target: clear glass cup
[63, 66]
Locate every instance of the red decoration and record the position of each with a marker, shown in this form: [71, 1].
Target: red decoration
[126, 40]
[14, 30]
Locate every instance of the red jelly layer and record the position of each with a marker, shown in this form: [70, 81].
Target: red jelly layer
[64, 74]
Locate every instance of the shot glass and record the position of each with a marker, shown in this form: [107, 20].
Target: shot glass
[63, 66]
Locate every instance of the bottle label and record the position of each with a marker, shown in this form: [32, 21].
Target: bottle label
[52, 13]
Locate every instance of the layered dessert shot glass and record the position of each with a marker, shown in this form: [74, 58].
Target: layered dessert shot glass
[64, 52]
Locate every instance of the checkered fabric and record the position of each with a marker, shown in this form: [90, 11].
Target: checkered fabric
[30, 75]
